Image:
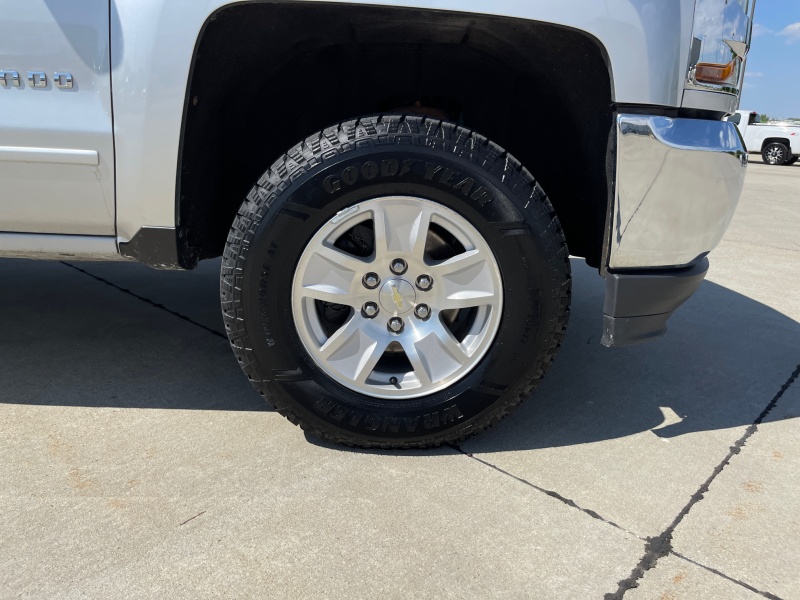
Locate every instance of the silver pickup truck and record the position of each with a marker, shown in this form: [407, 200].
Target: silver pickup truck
[394, 219]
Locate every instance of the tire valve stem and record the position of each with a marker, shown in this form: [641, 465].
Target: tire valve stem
[393, 381]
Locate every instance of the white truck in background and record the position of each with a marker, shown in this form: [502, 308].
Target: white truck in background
[778, 144]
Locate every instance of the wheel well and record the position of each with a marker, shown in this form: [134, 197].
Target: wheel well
[264, 76]
[783, 141]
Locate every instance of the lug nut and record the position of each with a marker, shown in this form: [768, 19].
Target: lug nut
[395, 325]
[371, 281]
[424, 282]
[422, 311]
[370, 309]
[398, 266]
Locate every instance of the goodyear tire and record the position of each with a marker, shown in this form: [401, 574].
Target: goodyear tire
[395, 282]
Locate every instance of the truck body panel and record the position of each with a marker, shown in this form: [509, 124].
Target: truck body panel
[646, 44]
[56, 144]
[96, 171]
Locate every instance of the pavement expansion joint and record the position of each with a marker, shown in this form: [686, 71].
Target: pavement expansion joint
[661, 545]
[146, 300]
[551, 493]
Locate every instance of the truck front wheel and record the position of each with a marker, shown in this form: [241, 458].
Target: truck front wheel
[775, 153]
[395, 282]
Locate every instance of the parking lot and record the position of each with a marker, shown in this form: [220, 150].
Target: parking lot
[137, 461]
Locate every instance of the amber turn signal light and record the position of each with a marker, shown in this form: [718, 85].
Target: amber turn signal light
[713, 72]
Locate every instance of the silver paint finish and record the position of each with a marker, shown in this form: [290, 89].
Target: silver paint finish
[678, 184]
[647, 44]
[74, 192]
[413, 319]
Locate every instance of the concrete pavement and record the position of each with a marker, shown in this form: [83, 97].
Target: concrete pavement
[138, 462]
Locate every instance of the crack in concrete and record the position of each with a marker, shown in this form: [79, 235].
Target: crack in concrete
[191, 518]
[551, 493]
[661, 545]
[145, 300]
[724, 576]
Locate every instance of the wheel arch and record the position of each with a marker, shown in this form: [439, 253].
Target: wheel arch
[257, 86]
[777, 140]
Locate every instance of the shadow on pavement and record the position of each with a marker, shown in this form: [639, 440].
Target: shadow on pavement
[66, 339]
[722, 361]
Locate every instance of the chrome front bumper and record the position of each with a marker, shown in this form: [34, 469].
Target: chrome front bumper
[678, 182]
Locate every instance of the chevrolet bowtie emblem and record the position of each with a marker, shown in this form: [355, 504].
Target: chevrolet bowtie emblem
[397, 297]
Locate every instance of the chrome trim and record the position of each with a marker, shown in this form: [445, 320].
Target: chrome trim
[678, 184]
[13, 76]
[705, 99]
[62, 80]
[37, 79]
[62, 156]
[693, 85]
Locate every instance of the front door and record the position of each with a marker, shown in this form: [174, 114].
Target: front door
[56, 136]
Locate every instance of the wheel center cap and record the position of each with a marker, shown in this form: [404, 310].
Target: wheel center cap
[397, 296]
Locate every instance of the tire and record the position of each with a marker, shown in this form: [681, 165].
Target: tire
[791, 161]
[486, 208]
[775, 153]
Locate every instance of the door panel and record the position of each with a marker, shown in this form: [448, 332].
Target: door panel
[56, 145]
